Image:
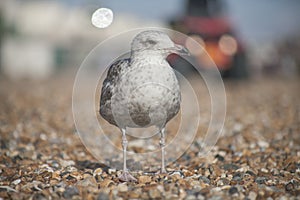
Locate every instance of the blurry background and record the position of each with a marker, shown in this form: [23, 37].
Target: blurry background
[44, 42]
[39, 38]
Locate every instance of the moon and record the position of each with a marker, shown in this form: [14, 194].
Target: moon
[102, 17]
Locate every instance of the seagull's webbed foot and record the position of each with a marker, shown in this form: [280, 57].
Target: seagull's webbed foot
[127, 177]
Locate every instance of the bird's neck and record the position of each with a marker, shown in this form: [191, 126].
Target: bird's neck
[150, 56]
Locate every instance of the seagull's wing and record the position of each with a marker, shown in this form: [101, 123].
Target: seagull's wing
[108, 86]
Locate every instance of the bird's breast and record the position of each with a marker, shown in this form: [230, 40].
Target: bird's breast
[148, 95]
[150, 83]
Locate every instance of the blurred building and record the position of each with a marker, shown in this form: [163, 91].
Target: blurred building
[37, 37]
[43, 36]
[38, 33]
[279, 57]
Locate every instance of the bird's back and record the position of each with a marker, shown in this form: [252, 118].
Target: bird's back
[108, 87]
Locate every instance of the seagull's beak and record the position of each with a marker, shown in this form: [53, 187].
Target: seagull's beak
[180, 50]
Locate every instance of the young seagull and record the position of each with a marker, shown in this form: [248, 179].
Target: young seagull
[142, 90]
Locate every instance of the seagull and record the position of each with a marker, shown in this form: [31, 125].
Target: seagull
[142, 90]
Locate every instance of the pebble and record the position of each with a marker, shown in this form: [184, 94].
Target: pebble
[250, 173]
[102, 196]
[191, 197]
[154, 193]
[263, 144]
[264, 170]
[222, 153]
[237, 177]
[180, 173]
[289, 187]
[204, 179]
[215, 197]
[122, 187]
[252, 195]
[144, 179]
[219, 157]
[16, 182]
[134, 194]
[186, 173]
[66, 163]
[70, 192]
[226, 187]
[230, 167]
[260, 180]
[97, 172]
[111, 171]
[233, 190]
[106, 183]
[216, 189]
[200, 197]
[237, 127]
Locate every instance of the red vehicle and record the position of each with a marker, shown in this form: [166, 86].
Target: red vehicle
[205, 22]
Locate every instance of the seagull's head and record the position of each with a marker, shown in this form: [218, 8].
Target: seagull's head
[156, 42]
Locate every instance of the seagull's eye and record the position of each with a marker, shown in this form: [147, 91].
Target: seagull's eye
[152, 42]
[148, 43]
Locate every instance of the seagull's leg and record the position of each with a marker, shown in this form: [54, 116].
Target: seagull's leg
[124, 146]
[125, 176]
[162, 144]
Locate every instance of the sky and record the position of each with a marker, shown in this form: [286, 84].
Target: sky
[263, 19]
[256, 20]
